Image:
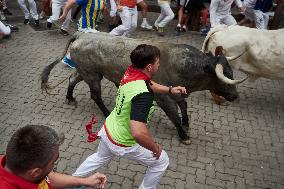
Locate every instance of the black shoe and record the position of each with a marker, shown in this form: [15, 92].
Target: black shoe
[156, 28]
[48, 25]
[64, 32]
[178, 29]
[7, 12]
[182, 29]
[26, 21]
[37, 22]
[13, 28]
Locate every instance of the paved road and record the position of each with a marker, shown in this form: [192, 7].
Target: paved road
[236, 146]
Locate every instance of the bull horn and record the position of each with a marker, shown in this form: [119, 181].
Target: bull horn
[223, 78]
[231, 58]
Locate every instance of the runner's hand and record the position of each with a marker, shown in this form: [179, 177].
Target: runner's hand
[157, 152]
[178, 90]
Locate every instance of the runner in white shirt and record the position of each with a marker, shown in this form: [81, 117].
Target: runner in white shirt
[57, 6]
[257, 16]
[220, 12]
[32, 12]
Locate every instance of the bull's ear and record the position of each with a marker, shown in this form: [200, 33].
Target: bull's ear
[209, 68]
[218, 51]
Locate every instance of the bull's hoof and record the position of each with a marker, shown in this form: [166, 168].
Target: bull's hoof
[186, 142]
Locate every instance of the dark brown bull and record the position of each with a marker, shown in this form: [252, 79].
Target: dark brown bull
[101, 55]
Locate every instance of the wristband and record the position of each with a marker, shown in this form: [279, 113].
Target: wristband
[170, 89]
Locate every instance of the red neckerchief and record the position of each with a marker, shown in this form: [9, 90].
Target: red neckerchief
[11, 181]
[132, 74]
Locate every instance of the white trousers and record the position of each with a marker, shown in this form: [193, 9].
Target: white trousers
[32, 7]
[56, 9]
[166, 14]
[107, 150]
[129, 22]
[228, 20]
[4, 29]
[261, 19]
[113, 8]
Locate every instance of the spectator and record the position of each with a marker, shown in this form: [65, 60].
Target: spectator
[220, 12]
[5, 30]
[181, 27]
[87, 21]
[255, 10]
[30, 157]
[45, 7]
[127, 11]
[5, 8]
[2, 16]
[57, 5]
[125, 132]
[164, 18]
[143, 5]
[33, 11]
[114, 17]
[197, 9]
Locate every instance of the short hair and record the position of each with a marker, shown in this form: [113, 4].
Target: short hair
[143, 55]
[32, 146]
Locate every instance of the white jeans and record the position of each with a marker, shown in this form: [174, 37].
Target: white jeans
[56, 9]
[129, 22]
[4, 29]
[261, 19]
[228, 20]
[113, 8]
[166, 14]
[107, 150]
[32, 6]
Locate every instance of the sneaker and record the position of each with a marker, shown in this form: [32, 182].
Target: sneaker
[2, 17]
[68, 62]
[183, 29]
[42, 15]
[64, 32]
[146, 26]
[178, 29]
[26, 21]
[37, 22]
[204, 31]
[13, 28]
[48, 25]
[156, 28]
[7, 12]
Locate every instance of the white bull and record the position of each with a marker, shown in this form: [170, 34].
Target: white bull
[262, 51]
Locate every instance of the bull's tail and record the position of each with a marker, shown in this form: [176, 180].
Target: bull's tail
[210, 33]
[46, 71]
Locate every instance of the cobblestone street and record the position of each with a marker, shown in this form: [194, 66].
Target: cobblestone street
[235, 146]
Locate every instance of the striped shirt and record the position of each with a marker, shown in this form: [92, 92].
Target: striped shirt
[90, 12]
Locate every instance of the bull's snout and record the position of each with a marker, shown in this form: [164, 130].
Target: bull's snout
[232, 97]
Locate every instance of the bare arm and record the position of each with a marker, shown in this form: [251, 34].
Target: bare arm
[66, 9]
[143, 137]
[58, 180]
[157, 88]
